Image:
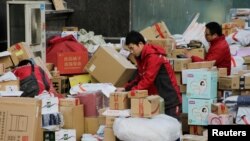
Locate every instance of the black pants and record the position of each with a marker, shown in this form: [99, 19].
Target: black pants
[174, 112]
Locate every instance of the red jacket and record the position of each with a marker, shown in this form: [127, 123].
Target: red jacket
[150, 64]
[218, 51]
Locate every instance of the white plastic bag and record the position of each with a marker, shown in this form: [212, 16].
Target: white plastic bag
[159, 128]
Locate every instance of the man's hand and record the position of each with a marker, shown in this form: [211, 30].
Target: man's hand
[120, 89]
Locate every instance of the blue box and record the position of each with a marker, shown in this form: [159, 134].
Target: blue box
[184, 103]
[198, 110]
[202, 84]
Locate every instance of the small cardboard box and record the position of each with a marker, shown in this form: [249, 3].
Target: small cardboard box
[138, 94]
[20, 119]
[73, 119]
[145, 107]
[219, 108]
[13, 85]
[109, 134]
[69, 102]
[109, 121]
[119, 101]
[196, 129]
[109, 66]
[2, 68]
[71, 62]
[229, 83]
[181, 64]
[61, 84]
[246, 59]
[91, 125]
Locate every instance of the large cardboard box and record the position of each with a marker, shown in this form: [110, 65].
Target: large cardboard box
[108, 66]
[20, 119]
[145, 107]
[73, 119]
[71, 62]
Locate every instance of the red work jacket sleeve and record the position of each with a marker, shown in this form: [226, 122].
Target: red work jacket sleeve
[151, 68]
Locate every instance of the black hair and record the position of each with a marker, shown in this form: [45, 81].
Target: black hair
[214, 28]
[134, 37]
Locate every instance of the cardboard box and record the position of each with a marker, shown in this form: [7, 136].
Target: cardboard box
[61, 84]
[13, 85]
[158, 30]
[117, 71]
[119, 101]
[246, 59]
[222, 72]
[178, 78]
[181, 64]
[69, 102]
[109, 134]
[219, 108]
[2, 68]
[199, 65]
[145, 107]
[109, 121]
[7, 61]
[71, 62]
[73, 119]
[168, 44]
[183, 88]
[20, 51]
[91, 125]
[196, 129]
[138, 94]
[20, 119]
[229, 82]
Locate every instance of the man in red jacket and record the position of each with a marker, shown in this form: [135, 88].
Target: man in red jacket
[155, 73]
[219, 49]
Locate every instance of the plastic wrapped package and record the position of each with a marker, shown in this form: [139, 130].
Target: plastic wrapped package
[159, 128]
